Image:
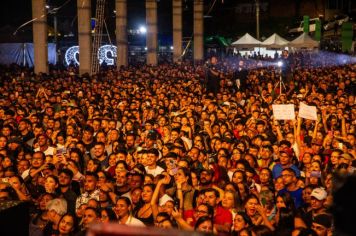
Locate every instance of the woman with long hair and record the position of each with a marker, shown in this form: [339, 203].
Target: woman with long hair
[123, 210]
[231, 202]
[51, 185]
[256, 212]
[266, 178]
[143, 210]
[67, 225]
[107, 215]
[285, 224]
[204, 224]
[241, 221]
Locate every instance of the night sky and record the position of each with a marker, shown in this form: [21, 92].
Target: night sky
[16, 12]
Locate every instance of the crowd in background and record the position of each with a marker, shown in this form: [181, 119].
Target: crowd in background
[178, 146]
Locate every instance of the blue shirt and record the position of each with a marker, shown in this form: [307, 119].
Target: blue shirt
[277, 170]
[296, 195]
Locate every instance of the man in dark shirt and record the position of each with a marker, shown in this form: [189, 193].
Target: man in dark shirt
[213, 82]
[65, 178]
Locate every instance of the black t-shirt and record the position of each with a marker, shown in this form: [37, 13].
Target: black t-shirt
[49, 231]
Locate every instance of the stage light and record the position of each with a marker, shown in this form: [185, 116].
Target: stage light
[280, 64]
[142, 30]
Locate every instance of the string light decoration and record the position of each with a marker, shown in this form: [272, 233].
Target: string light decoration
[106, 53]
[71, 55]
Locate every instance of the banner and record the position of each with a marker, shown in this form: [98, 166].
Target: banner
[23, 53]
[307, 112]
[283, 111]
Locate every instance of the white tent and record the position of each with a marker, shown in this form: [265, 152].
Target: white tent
[304, 41]
[275, 41]
[246, 41]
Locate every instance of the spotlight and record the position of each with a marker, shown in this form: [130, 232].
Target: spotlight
[280, 64]
[142, 30]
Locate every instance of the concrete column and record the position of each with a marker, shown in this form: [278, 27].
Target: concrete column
[151, 37]
[84, 35]
[121, 33]
[39, 30]
[177, 29]
[198, 30]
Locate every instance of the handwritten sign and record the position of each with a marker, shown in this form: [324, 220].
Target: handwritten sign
[283, 111]
[307, 112]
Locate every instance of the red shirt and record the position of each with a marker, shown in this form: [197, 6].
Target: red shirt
[222, 216]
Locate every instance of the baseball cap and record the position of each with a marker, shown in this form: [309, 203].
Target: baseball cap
[319, 193]
[287, 151]
[165, 198]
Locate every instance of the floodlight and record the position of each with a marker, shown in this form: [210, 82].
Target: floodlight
[142, 30]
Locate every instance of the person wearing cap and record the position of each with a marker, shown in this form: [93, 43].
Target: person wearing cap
[317, 201]
[206, 178]
[285, 161]
[322, 224]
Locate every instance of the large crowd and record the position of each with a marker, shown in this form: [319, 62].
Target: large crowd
[177, 146]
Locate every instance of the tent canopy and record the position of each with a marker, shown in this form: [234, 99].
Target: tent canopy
[246, 41]
[304, 41]
[275, 41]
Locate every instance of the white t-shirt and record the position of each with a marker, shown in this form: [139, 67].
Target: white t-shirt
[156, 171]
[134, 222]
[48, 151]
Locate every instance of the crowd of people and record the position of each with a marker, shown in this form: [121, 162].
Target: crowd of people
[177, 146]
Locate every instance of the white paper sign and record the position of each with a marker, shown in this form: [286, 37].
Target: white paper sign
[283, 111]
[307, 112]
